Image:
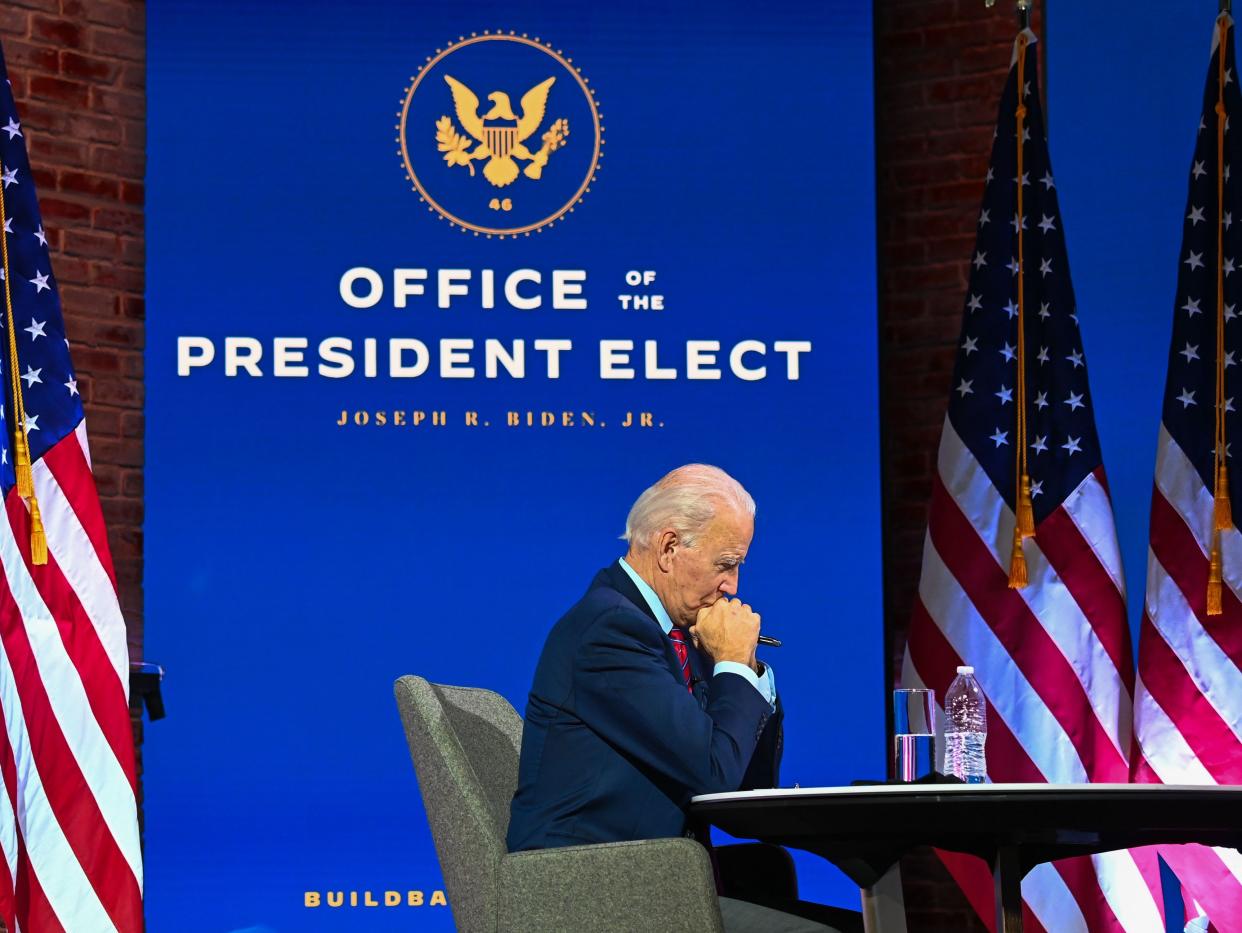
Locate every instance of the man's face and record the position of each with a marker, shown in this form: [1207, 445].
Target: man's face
[702, 574]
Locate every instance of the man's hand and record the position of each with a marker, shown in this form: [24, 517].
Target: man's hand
[727, 630]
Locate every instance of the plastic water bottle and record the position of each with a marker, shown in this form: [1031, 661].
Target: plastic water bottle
[966, 728]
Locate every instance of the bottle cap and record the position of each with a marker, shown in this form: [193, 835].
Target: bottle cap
[965, 669]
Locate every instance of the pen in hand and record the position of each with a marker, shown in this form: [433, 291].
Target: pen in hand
[769, 641]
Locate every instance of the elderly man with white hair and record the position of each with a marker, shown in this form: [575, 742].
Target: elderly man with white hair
[648, 690]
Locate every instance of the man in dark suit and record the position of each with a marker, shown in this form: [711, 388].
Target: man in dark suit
[648, 690]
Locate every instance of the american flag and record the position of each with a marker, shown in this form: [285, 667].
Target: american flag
[68, 819]
[1053, 656]
[1188, 700]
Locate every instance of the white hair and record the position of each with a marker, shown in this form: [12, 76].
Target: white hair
[686, 500]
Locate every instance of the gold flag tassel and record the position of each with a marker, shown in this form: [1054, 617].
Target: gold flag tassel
[17, 411]
[1222, 511]
[38, 537]
[1214, 578]
[1024, 513]
[1017, 563]
[21, 461]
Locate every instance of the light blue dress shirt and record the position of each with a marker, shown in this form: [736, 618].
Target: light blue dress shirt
[765, 683]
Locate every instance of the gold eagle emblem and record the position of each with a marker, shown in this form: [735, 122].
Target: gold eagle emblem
[501, 134]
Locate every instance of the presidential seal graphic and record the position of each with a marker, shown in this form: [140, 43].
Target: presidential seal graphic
[500, 134]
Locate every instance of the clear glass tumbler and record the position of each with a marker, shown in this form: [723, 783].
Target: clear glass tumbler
[914, 733]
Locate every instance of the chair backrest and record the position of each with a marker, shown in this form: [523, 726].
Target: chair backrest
[465, 744]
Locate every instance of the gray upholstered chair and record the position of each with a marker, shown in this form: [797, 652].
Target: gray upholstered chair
[465, 744]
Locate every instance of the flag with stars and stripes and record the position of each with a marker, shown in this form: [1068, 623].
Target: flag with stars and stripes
[1052, 655]
[68, 817]
[1188, 699]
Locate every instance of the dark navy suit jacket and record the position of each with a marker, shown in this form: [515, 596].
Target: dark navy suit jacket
[614, 746]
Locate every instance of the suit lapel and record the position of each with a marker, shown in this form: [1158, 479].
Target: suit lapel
[616, 578]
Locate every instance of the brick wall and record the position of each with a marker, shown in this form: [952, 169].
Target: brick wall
[940, 66]
[77, 69]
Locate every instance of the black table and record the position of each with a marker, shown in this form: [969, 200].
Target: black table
[864, 831]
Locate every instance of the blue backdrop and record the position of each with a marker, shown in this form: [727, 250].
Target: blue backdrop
[1124, 90]
[296, 566]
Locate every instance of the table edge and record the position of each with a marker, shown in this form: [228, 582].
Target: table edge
[983, 790]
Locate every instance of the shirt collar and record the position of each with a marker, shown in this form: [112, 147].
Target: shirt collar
[657, 608]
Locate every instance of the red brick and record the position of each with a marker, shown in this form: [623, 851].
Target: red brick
[120, 451]
[14, 23]
[127, 163]
[904, 255]
[133, 134]
[903, 41]
[120, 392]
[88, 68]
[922, 173]
[91, 245]
[911, 15]
[124, 511]
[961, 141]
[95, 186]
[956, 88]
[127, 539]
[131, 366]
[132, 482]
[951, 248]
[926, 277]
[118, 44]
[110, 334]
[61, 210]
[945, 224]
[44, 178]
[81, 302]
[91, 361]
[107, 475]
[133, 192]
[133, 424]
[970, 31]
[52, 150]
[69, 269]
[106, 422]
[990, 58]
[132, 251]
[134, 76]
[61, 32]
[121, 278]
[97, 129]
[101, 11]
[80, 125]
[125, 104]
[27, 56]
[51, 6]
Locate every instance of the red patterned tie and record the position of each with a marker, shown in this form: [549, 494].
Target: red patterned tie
[683, 654]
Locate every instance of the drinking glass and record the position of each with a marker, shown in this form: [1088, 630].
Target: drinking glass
[914, 733]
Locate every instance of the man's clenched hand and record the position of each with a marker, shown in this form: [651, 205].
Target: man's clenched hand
[727, 630]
